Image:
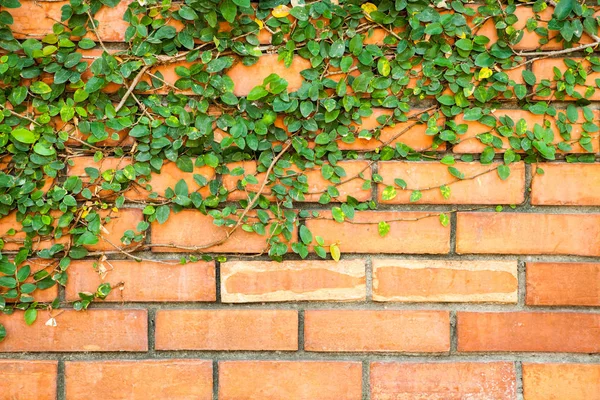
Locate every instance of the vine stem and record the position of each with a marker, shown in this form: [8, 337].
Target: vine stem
[131, 87]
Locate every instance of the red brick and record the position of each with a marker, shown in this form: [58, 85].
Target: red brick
[553, 284]
[481, 185]
[285, 380]
[561, 381]
[139, 380]
[444, 281]
[544, 69]
[168, 177]
[529, 331]
[28, 379]
[443, 381]
[525, 233]
[92, 330]
[566, 184]
[366, 330]
[113, 230]
[410, 232]
[409, 133]
[356, 174]
[256, 281]
[193, 281]
[35, 20]
[469, 143]
[175, 234]
[247, 78]
[15, 242]
[227, 330]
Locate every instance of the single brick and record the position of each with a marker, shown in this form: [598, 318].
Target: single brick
[246, 78]
[529, 331]
[258, 281]
[566, 184]
[470, 143]
[194, 281]
[481, 185]
[561, 381]
[366, 330]
[410, 133]
[445, 281]
[139, 380]
[174, 235]
[28, 379]
[227, 330]
[350, 185]
[112, 231]
[544, 69]
[527, 233]
[443, 381]
[34, 20]
[410, 232]
[92, 330]
[13, 242]
[570, 284]
[286, 380]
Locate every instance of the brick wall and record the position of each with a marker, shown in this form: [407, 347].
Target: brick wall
[492, 306]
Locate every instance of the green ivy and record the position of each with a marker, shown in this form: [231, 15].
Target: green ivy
[432, 58]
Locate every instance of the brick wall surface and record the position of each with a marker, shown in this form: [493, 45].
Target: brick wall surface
[492, 306]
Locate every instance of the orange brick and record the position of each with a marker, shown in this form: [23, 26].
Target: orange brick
[409, 133]
[256, 281]
[566, 184]
[161, 282]
[553, 284]
[410, 232]
[38, 264]
[284, 380]
[168, 177]
[444, 281]
[525, 233]
[113, 230]
[443, 381]
[140, 380]
[356, 173]
[366, 330]
[528, 331]
[227, 330]
[15, 242]
[469, 143]
[92, 330]
[35, 20]
[176, 232]
[481, 185]
[544, 69]
[28, 379]
[247, 78]
[561, 381]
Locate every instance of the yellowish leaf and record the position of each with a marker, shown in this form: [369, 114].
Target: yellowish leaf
[484, 73]
[368, 8]
[335, 252]
[260, 24]
[281, 11]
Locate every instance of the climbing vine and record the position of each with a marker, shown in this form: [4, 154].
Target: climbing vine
[69, 96]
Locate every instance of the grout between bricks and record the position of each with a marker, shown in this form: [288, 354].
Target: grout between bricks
[453, 333]
[522, 284]
[215, 376]
[61, 391]
[301, 330]
[369, 278]
[519, 379]
[366, 380]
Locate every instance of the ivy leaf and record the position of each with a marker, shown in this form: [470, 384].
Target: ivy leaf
[383, 228]
[388, 193]
[229, 10]
[335, 252]
[2, 332]
[337, 214]
[416, 196]
[30, 316]
[7, 268]
[444, 219]
[503, 172]
[166, 32]
[400, 182]
[305, 235]
[162, 214]
[24, 135]
[456, 173]
[40, 87]
[257, 93]
[446, 191]
[563, 9]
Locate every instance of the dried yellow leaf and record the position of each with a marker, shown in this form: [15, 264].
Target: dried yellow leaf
[368, 8]
[281, 11]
